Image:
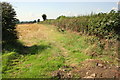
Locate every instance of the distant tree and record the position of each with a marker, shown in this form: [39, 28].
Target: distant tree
[34, 21]
[8, 23]
[44, 17]
[38, 20]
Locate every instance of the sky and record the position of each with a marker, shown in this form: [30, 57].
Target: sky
[32, 10]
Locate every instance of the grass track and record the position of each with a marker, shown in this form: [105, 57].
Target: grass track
[48, 51]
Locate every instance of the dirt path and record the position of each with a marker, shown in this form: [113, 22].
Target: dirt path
[27, 32]
[30, 34]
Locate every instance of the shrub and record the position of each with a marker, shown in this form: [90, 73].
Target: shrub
[9, 21]
[102, 25]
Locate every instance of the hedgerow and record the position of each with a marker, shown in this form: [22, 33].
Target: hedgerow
[102, 25]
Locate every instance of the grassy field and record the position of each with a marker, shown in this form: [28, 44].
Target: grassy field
[47, 50]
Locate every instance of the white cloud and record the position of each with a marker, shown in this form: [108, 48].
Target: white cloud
[114, 8]
[75, 15]
[29, 16]
[68, 13]
[99, 10]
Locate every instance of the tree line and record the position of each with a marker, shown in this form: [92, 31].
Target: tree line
[44, 16]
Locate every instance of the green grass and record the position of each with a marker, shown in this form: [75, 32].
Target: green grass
[46, 56]
[38, 65]
[75, 45]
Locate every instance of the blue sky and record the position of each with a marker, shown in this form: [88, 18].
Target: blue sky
[29, 11]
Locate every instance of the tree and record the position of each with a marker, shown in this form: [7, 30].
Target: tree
[44, 17]
[9, 21]
[38, 20]
[34, 21]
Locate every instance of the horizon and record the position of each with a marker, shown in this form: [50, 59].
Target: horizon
[29, 11]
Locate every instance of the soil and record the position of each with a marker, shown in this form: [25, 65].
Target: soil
[90, 68]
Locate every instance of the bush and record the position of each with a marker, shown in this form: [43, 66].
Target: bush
[9, 21]
[102, 25]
